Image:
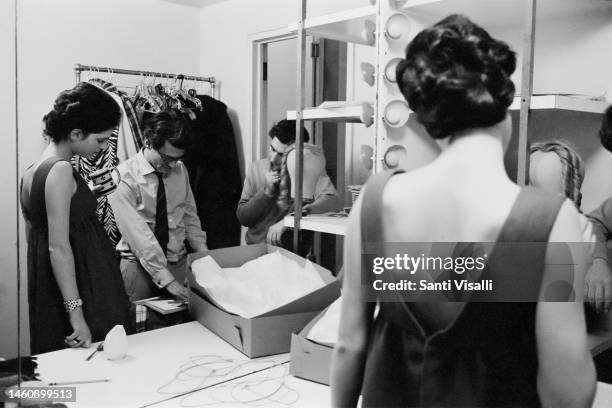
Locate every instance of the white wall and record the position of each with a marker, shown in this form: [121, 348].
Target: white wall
[132, 34]
[225, 51]
[8, 207]
[53, 36]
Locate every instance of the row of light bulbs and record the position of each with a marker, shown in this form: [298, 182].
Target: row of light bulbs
[396, 112]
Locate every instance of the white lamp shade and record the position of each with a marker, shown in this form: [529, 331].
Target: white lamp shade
[314, 168]
[115, 343]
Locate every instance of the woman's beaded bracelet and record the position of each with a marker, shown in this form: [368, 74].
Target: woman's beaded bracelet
[72, 304]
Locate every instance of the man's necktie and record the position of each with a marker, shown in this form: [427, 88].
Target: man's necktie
[161, 214]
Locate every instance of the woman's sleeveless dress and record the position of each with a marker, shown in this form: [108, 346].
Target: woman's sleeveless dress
[98, 277]
[486, 356]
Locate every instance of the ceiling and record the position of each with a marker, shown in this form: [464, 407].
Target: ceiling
[195, 3]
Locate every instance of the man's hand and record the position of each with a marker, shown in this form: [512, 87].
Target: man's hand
[275, 232]
[306, 209]
[598, 285]
[178, 290]
[271, 187]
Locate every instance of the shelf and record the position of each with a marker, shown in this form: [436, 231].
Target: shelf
[565, 102]
[320, 223]
[362, 112]
[348, 112]
[353, 25]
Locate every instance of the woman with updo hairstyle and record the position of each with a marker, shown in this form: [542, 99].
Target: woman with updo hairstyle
[497, 347]
[75, 290]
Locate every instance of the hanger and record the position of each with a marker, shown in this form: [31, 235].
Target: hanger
[149, 94]
[191, 97]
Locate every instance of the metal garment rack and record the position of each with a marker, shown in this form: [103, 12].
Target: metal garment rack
[78, 68]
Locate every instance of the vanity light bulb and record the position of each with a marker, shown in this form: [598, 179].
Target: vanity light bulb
[367, 72]
[397, 27]
[390, 69]
[396, 113]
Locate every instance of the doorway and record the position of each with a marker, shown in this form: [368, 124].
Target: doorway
[275, 93]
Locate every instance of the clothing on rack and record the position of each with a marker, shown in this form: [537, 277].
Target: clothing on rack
[125, 141]
[214, 173]
[215, 146]
[133, 140]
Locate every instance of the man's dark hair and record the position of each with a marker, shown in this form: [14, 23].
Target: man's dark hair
[168, 126]
[284, 131]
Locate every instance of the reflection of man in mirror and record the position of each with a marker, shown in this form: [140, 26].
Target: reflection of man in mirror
[599, 277]
[259, 208]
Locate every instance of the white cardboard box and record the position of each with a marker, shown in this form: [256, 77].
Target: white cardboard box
[269, 333]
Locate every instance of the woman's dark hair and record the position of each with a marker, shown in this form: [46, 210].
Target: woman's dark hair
[572, 167]
[168, 126]
[456, 76]
[84, 107]
[605, 132]
[284, 131]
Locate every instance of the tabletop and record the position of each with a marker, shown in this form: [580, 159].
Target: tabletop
[189, 366]
[151, 371]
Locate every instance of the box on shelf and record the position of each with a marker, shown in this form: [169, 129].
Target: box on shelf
[310, 360]
[269, 333]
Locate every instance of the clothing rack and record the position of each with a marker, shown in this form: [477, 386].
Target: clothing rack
[78, 68]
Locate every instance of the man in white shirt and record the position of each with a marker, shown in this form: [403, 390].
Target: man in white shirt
[155, 211]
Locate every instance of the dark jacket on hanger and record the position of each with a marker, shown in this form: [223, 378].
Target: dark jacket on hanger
[214, 173]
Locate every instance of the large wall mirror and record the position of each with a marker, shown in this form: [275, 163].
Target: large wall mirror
[44, 40]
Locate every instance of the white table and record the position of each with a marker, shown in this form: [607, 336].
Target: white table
[155, 357]
[153, 360]
[302, 393]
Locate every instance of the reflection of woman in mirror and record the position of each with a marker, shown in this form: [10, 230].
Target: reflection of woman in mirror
[75, 290]
[599, 277]
[456, 79]
[556, 167]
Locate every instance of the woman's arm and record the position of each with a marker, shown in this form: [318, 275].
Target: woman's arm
[348, 360]
[59, 188]
[566, 375]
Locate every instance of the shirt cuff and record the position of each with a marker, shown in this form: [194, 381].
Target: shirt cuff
[600, 251]
[163, 278]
